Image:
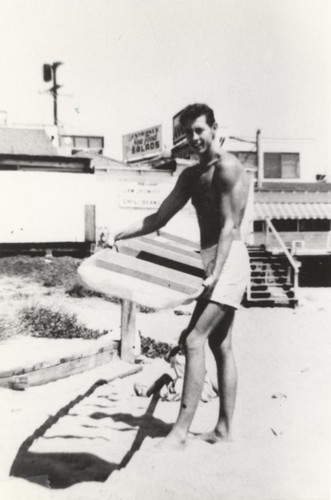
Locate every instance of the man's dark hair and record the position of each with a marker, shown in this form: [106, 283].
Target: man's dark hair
[193, 111]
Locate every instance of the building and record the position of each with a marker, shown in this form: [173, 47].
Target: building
[290, 214]
[44, 196]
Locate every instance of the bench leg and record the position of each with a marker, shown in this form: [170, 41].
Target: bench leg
[128, 330]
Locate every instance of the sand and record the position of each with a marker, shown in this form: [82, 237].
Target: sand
[101, 444]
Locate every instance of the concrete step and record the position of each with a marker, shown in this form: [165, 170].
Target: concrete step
[269, 281]
[260, 295]
[269, 303]
[266, 286]
[259, 288]
[266, 272]
[267, 265]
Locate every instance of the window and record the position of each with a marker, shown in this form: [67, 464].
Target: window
[314, 225]
[284, 225]
[281, 165]
[259, 226]
[80, 141]
[95, 142]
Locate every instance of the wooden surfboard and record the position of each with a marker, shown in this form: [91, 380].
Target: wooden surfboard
[129, 276]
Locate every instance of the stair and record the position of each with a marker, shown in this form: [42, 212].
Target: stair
[271, 280]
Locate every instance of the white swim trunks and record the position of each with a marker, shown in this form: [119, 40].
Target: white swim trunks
[235, 275]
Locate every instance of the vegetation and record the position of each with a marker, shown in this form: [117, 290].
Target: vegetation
[48, 323]
[152, 349]
[52, 272]
[56, 274]
[59, 272]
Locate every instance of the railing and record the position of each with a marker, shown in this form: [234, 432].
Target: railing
[295, 264]
[328, 242]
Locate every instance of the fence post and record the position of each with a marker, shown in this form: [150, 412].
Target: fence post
[90, 229]
[128, 330]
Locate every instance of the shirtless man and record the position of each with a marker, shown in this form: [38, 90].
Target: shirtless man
[218, 188]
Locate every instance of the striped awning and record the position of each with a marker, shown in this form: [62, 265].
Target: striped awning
[292, 211]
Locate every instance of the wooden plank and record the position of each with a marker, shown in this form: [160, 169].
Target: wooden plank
[52, 162]
[145, 271]
[190, 264]
[48, 372]
[174, 247]
[23, 370]
[90, 228]
[168, 245]
[179, 239]
[128, 330]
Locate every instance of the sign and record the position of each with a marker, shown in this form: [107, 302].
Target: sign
[178, 133]
[136, 195]
[143, 144]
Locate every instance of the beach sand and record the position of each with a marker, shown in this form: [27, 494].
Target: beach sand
[101, 444]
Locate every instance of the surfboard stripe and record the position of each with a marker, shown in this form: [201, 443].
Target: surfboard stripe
[153, 273]
[165, 244]
[190, 264]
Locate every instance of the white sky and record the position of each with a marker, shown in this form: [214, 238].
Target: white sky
[131, 64]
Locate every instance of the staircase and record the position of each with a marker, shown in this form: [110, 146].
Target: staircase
[272, 281]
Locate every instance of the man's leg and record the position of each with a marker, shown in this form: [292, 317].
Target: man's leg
[220, 342]
[211, 317]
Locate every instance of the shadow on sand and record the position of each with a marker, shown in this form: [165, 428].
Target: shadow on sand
[65, 469]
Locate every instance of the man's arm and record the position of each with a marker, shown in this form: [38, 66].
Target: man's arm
[168, 208]
[229, 178]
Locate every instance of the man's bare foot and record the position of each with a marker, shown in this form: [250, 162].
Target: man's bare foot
[214, 437]
[171, 442]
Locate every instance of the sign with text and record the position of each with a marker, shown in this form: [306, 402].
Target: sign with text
[178, 133]
[135, 195]
[143, 144]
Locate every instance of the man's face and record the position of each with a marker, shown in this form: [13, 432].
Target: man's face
[200, 135]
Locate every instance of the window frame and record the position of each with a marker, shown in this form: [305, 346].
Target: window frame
[281, 165]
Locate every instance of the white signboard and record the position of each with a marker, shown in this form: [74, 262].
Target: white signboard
[136, 195]
[143, 144]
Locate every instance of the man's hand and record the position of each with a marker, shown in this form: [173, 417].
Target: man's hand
[110, 241]
[107, 240]
[209, 285]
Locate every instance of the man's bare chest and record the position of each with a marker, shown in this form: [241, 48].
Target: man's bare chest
[206, 192]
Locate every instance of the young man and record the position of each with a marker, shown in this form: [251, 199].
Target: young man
[218, 188]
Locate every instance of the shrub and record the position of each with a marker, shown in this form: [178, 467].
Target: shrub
[47, 323]
[53, 272]
[153, 349]
[77, 290]
[145, 309]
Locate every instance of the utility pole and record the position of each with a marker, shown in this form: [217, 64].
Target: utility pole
[49, 73]
[259, 163]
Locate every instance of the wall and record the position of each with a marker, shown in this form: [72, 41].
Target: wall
[312, 239]
[126, 196]
[49, 206]
[309, 164]
[309, 168]
[43, 206]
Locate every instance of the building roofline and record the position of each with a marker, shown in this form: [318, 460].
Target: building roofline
[48, 158]
[311, 187]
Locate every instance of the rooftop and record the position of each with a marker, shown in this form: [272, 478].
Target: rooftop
[310, 187]
[25, 141]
